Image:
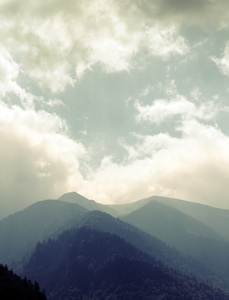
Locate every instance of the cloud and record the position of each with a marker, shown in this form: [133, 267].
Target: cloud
[38, 159]
[165, 42]
[9, 71]
[52, 44]
[176, 106]
[161, 110]
[147, 145]
[56, 43]
[193, 167]
[196, 12]
[223, 63]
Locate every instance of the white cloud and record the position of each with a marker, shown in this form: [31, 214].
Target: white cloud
[54, 102]
[9, 71]
[223, 63]
[147, 145]
[162, 109]
[196, 94]
[112, 54]
[193, 167]
[56, 42]
[165, 42]
[146, 91]
[53, 43]
[38, 159]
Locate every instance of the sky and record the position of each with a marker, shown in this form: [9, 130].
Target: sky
[116, 100]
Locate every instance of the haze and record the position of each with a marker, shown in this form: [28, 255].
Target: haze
[116, 100]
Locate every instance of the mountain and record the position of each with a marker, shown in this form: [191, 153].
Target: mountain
[195, 248]
[150, 245]
[215, 218]
[86, 203]
[88, 264]
[127, 208]
[168, 223]
[185, 234]
[13, 287]
[19, 233]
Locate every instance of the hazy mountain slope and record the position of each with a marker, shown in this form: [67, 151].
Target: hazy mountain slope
[86, 203]
[215, 218]
[87, 264]
[185, 233]
[168, 223]
[13, 287]
[20, 232]
[149, 244]
[127, 208]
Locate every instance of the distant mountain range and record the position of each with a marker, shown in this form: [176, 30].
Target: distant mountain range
[215, 218]
[19, 233]
[188, 237]
[186, 234]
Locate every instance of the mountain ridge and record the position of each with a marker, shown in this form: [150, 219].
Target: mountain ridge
[185, 234]
[89, 264]
[213, 217]
[21, 231]
[73, 197]
[46, 219]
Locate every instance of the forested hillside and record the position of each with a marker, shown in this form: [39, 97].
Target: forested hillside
[186, 234]
[165, 233]
[87, 264]
[12, 287]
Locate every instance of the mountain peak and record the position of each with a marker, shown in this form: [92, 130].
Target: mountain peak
[91, 205]
[73, 196]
